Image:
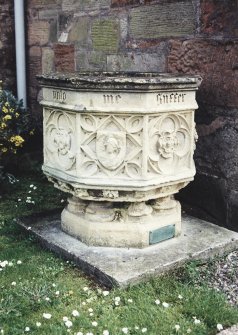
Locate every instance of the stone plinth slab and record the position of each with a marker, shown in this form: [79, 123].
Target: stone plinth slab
[124, 266]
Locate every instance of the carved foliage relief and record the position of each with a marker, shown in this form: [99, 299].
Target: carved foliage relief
[59, 139]
[170, 143]
[111, 145]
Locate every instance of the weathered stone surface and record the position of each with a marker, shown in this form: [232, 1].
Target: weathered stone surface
[214, 190]
[215, 61]
[79, 31]
[43, 3]
[7, 43]
[217, 152]
[34, 68]
[233, 210]
[76, 5]
[162, 20]
[35, 53]
[81, 60]
[124, 26]
[219, 17]
[146, 45]
[97, 60]
[137, 62]
[46, 14]
[105, 35]
[47, 60]
[64, 57]
[206, 198]
[123, 267]
[90, 61]
[53, 31]
[38, 33]
[123, 3]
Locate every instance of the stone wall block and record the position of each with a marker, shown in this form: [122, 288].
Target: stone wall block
[145, 45]
[85, 5]
[53, 34]
[137, 62]
[219, 17]
[47, 60]
[97, 61]
[123, 3]
[44, 3]
[162, 20]
[38, 33]
[124, 28]
[34, 51]
[79, 31]
[64, 57]
[47, 14]
[34, 68]
[90, 61]
[217, 151]
[215, 62]
[105, 35]
[7, 45]
[81, 60]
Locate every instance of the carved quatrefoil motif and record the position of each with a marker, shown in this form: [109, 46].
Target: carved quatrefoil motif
[59, 130]
[111, 145]
[170, 141]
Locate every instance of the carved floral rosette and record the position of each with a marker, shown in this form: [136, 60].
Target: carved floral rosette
[170, 143]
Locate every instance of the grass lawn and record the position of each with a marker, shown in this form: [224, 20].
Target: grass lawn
[42, 294]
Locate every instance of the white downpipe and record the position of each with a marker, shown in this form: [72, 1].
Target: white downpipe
[20, 49]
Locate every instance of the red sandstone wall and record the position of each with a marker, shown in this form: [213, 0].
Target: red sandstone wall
[189, 36]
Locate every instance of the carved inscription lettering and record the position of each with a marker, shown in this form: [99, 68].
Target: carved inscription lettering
[111, 99]
[168, 98]
[59, 95]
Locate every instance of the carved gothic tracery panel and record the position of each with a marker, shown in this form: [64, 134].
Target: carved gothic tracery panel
[59, 138]
[111, 145]
[170, 143]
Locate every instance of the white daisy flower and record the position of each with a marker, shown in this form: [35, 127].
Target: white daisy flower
[47, 316]
[68, 323]
[75, 313]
